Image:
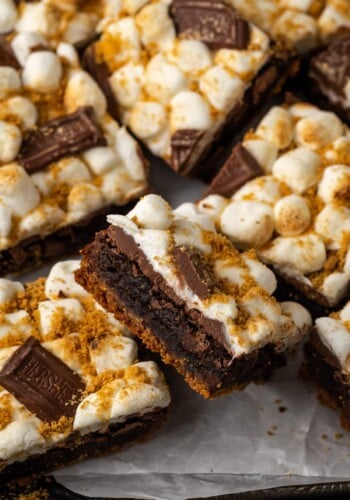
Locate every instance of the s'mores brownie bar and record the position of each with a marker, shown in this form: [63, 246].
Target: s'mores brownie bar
[71, 386]
[64, 161]
[303, 24]
[179, 71]
[326, 361]
[296, 215]
[188, 294]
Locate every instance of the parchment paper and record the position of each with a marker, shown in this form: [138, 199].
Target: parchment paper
[267, 435]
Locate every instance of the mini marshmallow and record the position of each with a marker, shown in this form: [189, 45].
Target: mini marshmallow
[261, 273]
[264, 152]
[124, 222]
[213, 205]
[335, 287]
[347, 263]
[160, 144]
[276, 127]
[15, 323]
[127, 42]
[82, 90]
[126, 84]
[23, 43]
[335, 336]
[258, 39]
[297, 29]
[189, 233]
[61, 283]
[118, 187]
[233, 274]
[156, 27]
[43, 181]
[223, 310]
[8, 16]
[8, 289]
[264, 189]
[42, 71]
[302, 110]
[38, 17]
[113, 353]
[70, 171]
[242, 63]
[344, 313]
[80, 28]
[128, 152]
[318, 130]
[204, 221]
[17, 190]
[23, 109]
[163, 80]
[305, 254]
[132, 6]
[298, 169]
[10, 142]
[152, 212]
[292, 215]
[9, 81]
[257, 305]
[83, 199]
[70, 309]
[5, 220]
[248, 222]
[189, 110]
[191, 56]
[101, 159]
[333, 224]
[335, 184]
[42, 220]
[220, 88]
[190, 211]
[147, 119]
[300, 316]
[20, 435]
[67, 52]
[187, 210]
[334, 17]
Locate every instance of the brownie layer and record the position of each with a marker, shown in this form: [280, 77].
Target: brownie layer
[322, 367]
[185, 338]
[78, 447]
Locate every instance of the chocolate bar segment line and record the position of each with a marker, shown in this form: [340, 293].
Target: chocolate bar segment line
[41, 382]
[66, 135]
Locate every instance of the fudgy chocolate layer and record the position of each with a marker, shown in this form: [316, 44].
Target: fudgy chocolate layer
[323, 368]
[78, 447]
[165, 325]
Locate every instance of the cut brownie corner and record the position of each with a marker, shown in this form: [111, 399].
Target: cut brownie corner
[190, 296]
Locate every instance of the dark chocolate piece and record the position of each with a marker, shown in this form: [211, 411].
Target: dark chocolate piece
[183, 143]
[65, 135]
[42, 382]
[239, 168]
[7, 56]
[192, 271]
[100, 73]
[213, 22]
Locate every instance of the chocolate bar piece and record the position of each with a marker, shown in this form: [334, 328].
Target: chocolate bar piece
[296, 215]
[64, 161]
[182, 72]
[189, 295]
[329, 73]
[326, 361]
[71, 384]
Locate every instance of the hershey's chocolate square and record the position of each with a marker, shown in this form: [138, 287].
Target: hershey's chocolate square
[44, 384]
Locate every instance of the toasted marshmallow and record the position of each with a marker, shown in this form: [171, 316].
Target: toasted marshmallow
[334, 17]
[126, 84]
[160, 144]
[5, 221]
[335, 336]
[292, 215]
[9, 81]
[213, 205]
[132, 6]
[23, 43]
[82, 90]
[60, 282]
[152, 212]
[17, 190]
[335, 287]
[38, 17]
[264, 152]
[248, 222]
[302, 110]
[101, 159]
[263, 189]
[335, 184]
[8, 289]
[162, 79]
[344, 313]
[80, 28]
[113, 353]
[346, 268]
[70, 309]
[23, 109]
[43, 181]
[333, 224]
[127, 40]
[298, 169]
[318, 130]
[147, 119]
[10, 142]
[68, 53]
[8, 16]
[305, 254]
[20, 435]
[42, 71]
[243, 63]
[220, 88]
[156, 27]
[296, 28]
[83, 200]
[42, 220]
[261, 273]
[189, 110]
[128, 152]
[300, 316]
[191, 56]
[276, 127]
[70, 171]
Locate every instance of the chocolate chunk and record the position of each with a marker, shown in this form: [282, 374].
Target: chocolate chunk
[100, 73]
[193, 272]
[331, 67]
[41, 382]
[7, 56]
[239, 168]
[211, 21]
[183, 143]
[65, 135]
